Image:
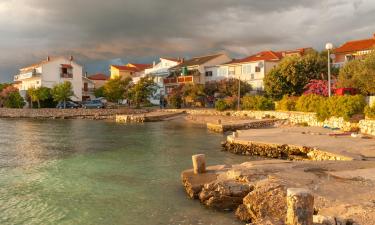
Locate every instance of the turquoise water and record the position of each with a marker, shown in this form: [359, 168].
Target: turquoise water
[97, 172]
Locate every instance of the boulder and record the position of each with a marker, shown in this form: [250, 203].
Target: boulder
[224, 195]
[267, 202]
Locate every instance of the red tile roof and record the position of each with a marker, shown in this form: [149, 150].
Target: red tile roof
[66, 65]
[356, 45]
[265, 55]
[141, 67]
[98, 76]
[126, 68]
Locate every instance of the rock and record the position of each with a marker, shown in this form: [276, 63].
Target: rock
[242, 214]
[300, 210]
[224, 195]
[323, 220]
[267, 202]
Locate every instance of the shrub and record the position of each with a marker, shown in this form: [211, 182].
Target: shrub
[175, 100]
[287, 103]
[309, 103]
[338, 106]
[257, 102]
[221, 105]
[370, 112]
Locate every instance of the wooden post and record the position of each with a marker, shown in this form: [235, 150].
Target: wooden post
[199, 163]
[300, 207]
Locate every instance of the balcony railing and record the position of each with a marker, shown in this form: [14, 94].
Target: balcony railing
[181, 80]
[66, 75]
[26, 75]
[88, 90]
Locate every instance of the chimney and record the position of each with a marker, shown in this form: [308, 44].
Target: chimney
[71, 58]
[153, 64]
[48, 58]
[182, 60]
[86, 74]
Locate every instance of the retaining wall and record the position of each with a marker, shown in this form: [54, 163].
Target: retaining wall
[310, 119]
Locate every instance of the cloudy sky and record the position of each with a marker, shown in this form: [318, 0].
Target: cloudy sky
[101, 32]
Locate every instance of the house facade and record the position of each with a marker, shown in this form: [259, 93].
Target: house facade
[351, 50]
[133, 70]
[253, 69]
[88, 89]
[194, 70]
[50, 72]
[98, 79]
[160, 71]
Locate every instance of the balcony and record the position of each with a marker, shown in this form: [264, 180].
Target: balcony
[181, 80]
[66, 75]
[88, 90]
[26, 75]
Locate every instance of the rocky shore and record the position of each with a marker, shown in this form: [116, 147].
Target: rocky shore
[98, 114]
[257, 191]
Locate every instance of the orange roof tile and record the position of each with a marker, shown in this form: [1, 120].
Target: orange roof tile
[140, 67]
[356, 45]
[126, 68]
[98, 76]
[265, 55]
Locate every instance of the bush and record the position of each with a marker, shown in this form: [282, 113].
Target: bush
[309, 103]
[257, 102]
[221, 105]
[370, 112]
[338, 106]
[175, 100]
[287, 103]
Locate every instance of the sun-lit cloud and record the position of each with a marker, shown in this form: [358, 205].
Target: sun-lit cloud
[97, 31]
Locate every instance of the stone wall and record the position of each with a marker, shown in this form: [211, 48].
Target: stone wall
[310, 119]
[367, 126]
[66, 113]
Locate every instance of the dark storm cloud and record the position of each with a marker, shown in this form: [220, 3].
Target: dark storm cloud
[96, 30]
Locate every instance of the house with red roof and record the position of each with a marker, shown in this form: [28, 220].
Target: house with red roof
[356, 49]
[132, 70]
[50, 72]
[252, 69]
[99, 79]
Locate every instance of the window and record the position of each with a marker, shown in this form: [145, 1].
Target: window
[246, 69]
[64, 70]
[223, 72]
[257, 69]
[208, 73]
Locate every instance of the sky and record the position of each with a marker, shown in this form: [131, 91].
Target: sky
[102, 32]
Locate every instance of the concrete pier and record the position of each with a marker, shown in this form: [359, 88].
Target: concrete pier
[199, 163]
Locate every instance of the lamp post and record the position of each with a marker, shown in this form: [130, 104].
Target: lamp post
[329, 46]
[239, 93]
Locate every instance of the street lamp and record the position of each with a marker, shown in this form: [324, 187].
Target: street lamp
[239, 93]
[329, 46]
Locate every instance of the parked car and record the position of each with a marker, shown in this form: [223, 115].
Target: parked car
[68, 105]
[93, 104]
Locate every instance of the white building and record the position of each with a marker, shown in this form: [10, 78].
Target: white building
[197, 70]
[159, 72]
[253, 69]
[50, 72]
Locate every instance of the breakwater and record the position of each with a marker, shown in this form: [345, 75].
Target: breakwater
[98, 114]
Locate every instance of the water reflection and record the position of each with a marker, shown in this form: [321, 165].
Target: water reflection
[96, 172]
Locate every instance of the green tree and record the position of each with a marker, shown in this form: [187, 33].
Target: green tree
[142, 91]
[293, 73]
[99, 92]
[115, 89]
[11, 98]
[62, 92]
[39, 94]
[359, 74]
